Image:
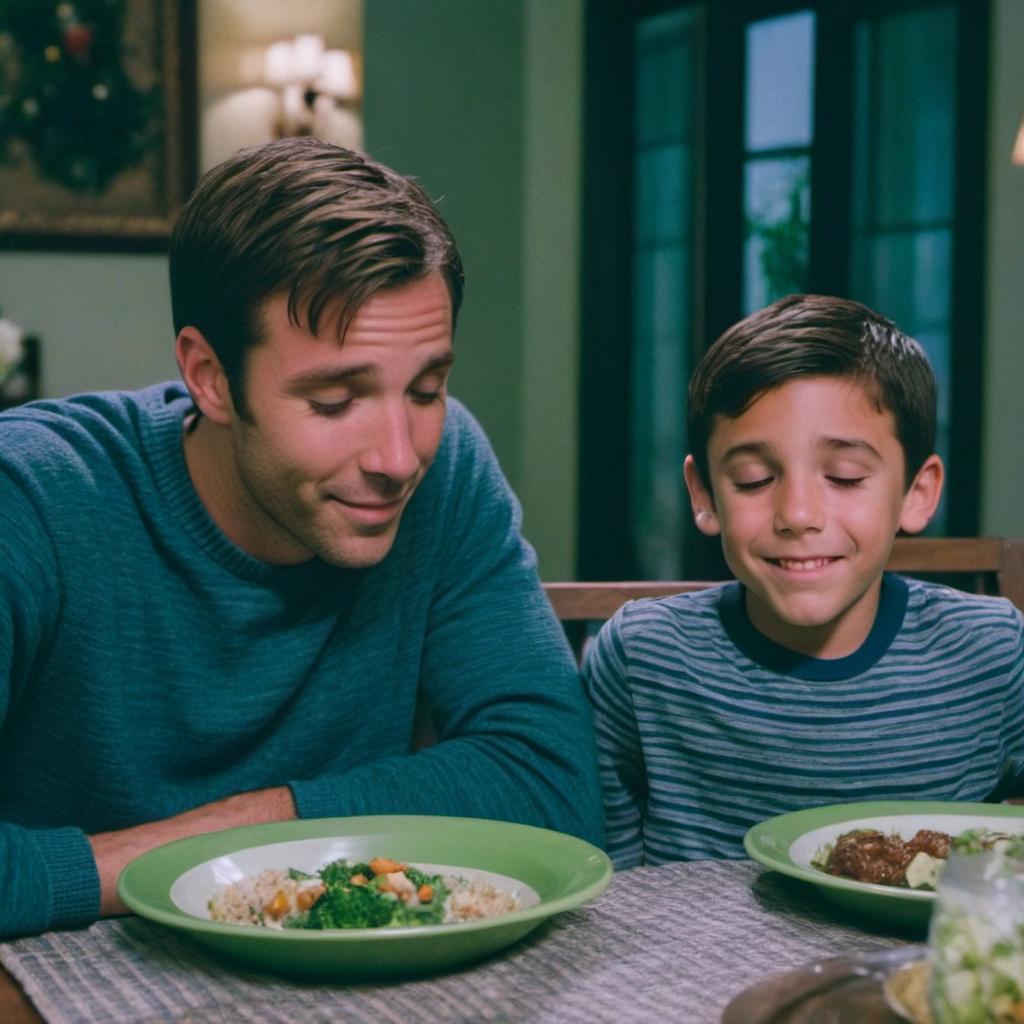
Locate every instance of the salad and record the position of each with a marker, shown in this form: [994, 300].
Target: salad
[976, 940]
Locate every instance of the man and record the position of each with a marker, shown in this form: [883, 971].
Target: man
[221, 603]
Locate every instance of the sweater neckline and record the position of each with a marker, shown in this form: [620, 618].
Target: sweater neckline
[163, 439]
[892, 606]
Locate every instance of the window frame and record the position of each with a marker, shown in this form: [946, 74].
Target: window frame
[604, 547]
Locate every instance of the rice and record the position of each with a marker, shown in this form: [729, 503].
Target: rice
[469, 901]
[246, 901]
[273, 898]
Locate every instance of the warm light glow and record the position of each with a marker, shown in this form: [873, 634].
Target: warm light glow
[307, 54]
[338, 75]
[1018, 146]
[312, 86]
[277, 65]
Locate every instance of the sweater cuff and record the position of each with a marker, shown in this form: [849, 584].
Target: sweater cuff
[74, 881]
[316, 799]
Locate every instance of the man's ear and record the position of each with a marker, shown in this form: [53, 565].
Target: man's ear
[702, 502]
[204, 376]
[922, 497]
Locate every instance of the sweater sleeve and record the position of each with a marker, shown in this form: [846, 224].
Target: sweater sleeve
[47, 875]
[620, 753]
[497, 675]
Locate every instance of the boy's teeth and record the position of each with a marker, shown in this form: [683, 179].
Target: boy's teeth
[803, 563]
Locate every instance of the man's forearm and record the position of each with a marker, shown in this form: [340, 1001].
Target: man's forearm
[114, 850]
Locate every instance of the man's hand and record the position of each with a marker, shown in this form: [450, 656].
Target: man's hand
[114, 850]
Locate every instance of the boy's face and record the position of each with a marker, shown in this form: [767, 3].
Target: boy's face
[808, 493]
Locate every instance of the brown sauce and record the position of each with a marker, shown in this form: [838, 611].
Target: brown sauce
[871, 856]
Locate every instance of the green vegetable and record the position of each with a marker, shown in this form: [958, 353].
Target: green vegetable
[364, 905]
[344, 906]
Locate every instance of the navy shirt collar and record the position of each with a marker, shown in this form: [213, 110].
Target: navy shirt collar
[892, 605]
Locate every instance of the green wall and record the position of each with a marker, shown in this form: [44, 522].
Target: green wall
[485, 111]
[104, 320]
[1002, 497]
[444, 103]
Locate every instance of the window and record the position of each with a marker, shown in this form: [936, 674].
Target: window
[663, 248]
[778, 133]
[761, 148]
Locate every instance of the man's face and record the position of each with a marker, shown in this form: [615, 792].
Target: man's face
[339, 435]
[807, 491]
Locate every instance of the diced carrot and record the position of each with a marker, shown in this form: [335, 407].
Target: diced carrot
[383, 866]
[305, 898]
[278, 906]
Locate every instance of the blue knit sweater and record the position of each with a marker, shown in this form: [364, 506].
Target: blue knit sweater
[148, 665]
[705, 727]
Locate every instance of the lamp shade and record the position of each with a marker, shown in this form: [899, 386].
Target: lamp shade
[338, 75]
[277, 63]
[307, 55]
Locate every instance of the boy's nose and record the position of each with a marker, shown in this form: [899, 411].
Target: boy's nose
[798, 507]
[391, 452]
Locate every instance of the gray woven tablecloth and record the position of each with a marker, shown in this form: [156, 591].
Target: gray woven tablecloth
[671, 943]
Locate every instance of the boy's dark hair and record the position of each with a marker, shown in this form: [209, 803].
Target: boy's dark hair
[308, 219]
[815, 336]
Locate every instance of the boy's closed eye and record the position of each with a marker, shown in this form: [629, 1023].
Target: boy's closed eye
[747, 475]
[849, 473]
[748, 480]
[746, 486]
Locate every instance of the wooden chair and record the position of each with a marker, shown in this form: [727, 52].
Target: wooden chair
[981, 565]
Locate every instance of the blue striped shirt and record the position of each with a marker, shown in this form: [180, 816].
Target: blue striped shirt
[705, 727]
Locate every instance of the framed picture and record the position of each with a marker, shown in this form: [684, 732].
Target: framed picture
[97, 122]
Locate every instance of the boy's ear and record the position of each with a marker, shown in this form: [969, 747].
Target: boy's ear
[922, 497]
[702, 502]
[204, 376]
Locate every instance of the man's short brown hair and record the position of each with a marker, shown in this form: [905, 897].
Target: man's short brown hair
[302, 217]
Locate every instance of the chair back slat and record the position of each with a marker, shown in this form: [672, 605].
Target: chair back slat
[1011, 576]
[984, 565]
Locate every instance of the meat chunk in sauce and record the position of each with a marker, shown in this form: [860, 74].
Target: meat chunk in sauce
[870, 856]
[935, 844]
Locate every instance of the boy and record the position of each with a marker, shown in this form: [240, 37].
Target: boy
[816, 678]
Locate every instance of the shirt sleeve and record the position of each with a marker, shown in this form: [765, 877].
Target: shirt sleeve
[620, 753]
[1013, 719]
[47, 875]
[497, 676]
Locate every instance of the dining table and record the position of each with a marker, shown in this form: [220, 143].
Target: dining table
[676, 942]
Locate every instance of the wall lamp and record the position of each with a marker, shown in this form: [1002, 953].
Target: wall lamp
[314, 84]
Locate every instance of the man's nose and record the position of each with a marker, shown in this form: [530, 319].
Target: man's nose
[798, 506]
[391, 451]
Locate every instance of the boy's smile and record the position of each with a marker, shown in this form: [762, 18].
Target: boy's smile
[808, 492]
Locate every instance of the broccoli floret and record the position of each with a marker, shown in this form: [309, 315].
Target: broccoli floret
[356, 906]
[338, 872]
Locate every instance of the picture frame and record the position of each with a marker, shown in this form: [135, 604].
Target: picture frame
[135, 206]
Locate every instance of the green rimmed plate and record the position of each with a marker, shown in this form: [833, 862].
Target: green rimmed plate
[787, 843]
[555, 872]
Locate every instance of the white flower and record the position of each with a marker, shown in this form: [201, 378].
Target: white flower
[11, 349]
